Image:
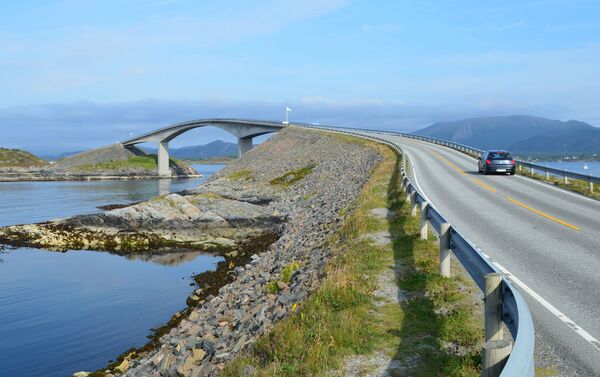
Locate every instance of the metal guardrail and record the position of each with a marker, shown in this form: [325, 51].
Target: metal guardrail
[565, 174]
[475, 152]
[511, 308]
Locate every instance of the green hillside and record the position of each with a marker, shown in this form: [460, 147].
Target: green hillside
[20, 159]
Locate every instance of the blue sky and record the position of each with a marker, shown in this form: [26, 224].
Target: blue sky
[75, 74]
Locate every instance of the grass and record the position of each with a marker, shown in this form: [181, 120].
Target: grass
[350, 139]
[581, 187]
[19, 158]
[149, 162]
[241, 175]
[292, 177]
[340, 319]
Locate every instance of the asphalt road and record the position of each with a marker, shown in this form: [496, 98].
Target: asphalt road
[548, 238]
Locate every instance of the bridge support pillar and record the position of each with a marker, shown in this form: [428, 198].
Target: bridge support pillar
[244, 145]
[163, 159]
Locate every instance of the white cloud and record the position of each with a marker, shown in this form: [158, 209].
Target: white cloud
[45, 63]
[78, 125]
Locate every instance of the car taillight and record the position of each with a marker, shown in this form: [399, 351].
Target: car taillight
[512, 162]
[488, 162]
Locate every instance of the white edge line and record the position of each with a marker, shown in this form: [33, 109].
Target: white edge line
[416, 179]
[551, 308]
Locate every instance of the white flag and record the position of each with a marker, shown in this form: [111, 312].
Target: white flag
[288, 109]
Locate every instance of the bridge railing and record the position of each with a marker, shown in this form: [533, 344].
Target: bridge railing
[510, 308]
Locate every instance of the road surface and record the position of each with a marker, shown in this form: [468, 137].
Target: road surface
[548, 239]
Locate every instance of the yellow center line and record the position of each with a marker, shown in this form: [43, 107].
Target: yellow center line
[542, 214]
[483, 185]
[449, 163]
[441, 158]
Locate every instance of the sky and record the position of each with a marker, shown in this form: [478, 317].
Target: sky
[78, 74]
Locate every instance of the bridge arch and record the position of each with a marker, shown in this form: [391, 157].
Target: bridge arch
[244, 130]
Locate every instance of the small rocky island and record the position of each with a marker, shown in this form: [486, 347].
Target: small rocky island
[290, 193]
[111, 162]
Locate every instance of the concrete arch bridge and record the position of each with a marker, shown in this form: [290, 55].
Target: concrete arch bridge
[244, 130]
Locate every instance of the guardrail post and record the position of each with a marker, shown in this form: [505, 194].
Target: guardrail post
[547, 175]
[520, 168]
[531, 171]
[496, 349]
[591, 187]
[413, 203]
[495, 355]
[424, 207]
[445, 250]
[565, 180]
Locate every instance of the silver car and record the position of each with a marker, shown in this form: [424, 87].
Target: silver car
[496, 162]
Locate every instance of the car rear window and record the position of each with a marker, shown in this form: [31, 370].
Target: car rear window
[500, 156]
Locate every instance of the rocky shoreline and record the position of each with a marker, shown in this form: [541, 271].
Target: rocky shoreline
[296, 186]
[45, 176]
[205, 222]
[106, 163]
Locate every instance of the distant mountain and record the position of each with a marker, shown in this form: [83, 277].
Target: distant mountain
[217, 148]
[519, 134]
[57, 156]
[579, 141]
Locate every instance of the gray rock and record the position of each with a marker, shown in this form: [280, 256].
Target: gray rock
[308, 212]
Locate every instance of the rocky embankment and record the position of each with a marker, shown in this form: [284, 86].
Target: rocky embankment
[110, 162]
[296, 184]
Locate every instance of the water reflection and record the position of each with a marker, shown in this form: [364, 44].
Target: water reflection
[164, 186]
[79, 309]
[170, 259]
[63, 312]
[30, 202]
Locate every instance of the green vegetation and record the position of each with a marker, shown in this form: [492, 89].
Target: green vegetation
[581, 187]
[149, 162]
[284, 277]
[350, 139]
[241, 175]
[309, 196]
[19, 158]
[292, 177]
[341, 318]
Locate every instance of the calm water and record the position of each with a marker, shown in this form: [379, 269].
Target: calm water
[29, 202]
[577, 167]
[64, 312]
